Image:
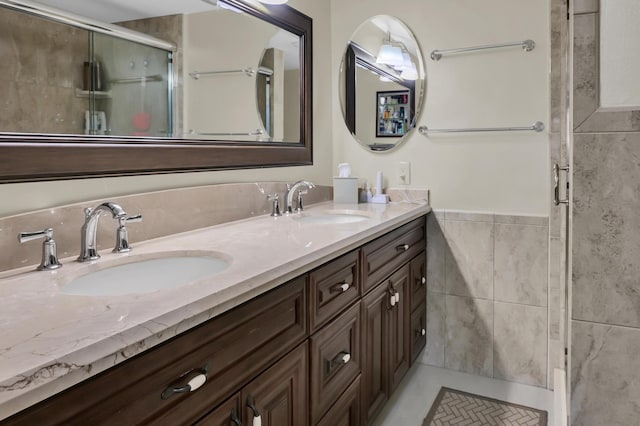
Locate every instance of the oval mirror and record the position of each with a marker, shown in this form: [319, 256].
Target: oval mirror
[382, 83]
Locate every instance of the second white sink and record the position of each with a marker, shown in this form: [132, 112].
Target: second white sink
[333, 217]
[145, 276]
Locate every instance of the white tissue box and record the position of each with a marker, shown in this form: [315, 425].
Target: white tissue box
[345, 190]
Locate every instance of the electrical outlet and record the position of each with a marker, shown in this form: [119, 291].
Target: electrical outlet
[404, 171]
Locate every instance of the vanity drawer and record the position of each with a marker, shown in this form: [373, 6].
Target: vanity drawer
[332, 288]
[346, 410]
[418, 331]
[335, 360]
[384, 255]
[232, 348]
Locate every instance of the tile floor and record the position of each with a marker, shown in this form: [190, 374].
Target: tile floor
[413, 398]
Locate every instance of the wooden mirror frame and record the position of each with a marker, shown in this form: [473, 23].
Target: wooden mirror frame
[26, 157]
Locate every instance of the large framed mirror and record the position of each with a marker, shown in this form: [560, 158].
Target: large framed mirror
[222, 84]
[382, 83]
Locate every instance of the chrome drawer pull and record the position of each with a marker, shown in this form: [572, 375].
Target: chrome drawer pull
[192, 385]
[421, 332]
[341, 358]
[402, 247]
[424, 280]
[397, 297]
[257, 420]
[234, 418]
[340, 288]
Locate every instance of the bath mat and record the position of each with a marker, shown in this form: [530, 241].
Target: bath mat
[454, 407]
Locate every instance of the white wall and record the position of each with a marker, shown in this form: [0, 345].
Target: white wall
[24, 197]
[505, 173]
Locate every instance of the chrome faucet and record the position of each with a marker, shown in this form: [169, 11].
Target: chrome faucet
[291, 190]
[89, 250]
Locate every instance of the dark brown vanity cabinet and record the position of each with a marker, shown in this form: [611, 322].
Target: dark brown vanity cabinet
[389, 346]
[230, 350]
[327, 348]
[277, 397]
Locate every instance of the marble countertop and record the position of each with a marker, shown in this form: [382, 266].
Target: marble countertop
[50, 341]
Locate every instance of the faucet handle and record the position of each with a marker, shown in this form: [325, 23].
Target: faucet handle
[49, 253]
[300, 201]
[122, 234]
[275, 211]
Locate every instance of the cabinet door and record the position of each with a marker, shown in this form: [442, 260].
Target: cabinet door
[346, 410]
[279, 396]
[418, 331]
[418, 280]
[374, 353]
[399, 323]
[227, 414]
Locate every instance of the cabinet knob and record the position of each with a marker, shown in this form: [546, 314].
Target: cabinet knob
[340, 288]
[424, 280]
[392, 300]
[423, 332]
[402, 247]
[397, 297]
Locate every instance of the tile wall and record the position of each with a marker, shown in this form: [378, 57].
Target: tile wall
[605, 288]
[38, 79]
[488, 295]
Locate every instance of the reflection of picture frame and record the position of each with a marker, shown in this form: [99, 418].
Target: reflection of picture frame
[392, 113]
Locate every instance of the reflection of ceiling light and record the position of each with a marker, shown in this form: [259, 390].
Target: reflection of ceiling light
[385, 79]
[407, 63]
[389, 54]
[410, 73]
[273, 1]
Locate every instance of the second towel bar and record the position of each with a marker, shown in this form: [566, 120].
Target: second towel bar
[527, 46]
[538, 126]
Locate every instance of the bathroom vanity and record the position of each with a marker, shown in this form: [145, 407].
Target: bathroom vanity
[316, 327]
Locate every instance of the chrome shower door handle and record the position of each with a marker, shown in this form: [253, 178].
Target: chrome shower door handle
[556, 188]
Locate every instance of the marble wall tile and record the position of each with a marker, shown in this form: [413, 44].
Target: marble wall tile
[606, 228]
[585, 68]
[41, 67]
[163, 214]
[521, 257]
[520, 343]
[434, 352]
[586, 6]
[556, 288]
[521, 220]
[605, 375]
[558, 27]
[436, 247]
[468, 216]
[469, 258]
[586, 115]
[469, 335]
[410, 195]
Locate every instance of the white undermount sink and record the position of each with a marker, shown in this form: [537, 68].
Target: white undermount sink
[145, 276]
[334, 217]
